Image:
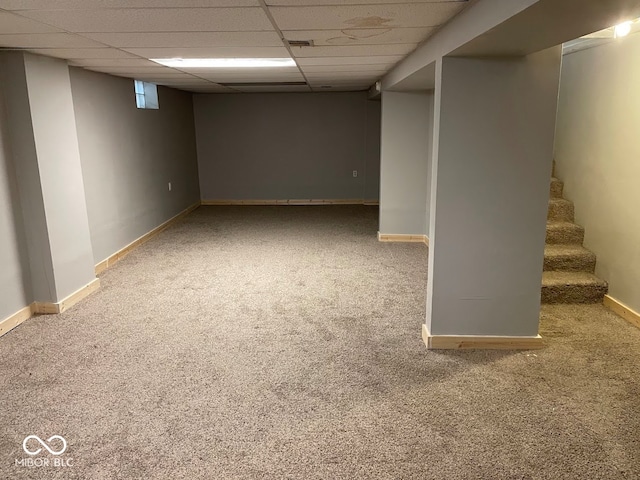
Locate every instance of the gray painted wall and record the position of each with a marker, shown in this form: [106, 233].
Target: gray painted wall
[597, 156]
[494, 128]
[129, 156]
[287, 146]
[407, 132]
[44, 148]
[15, 289]
[61, 182]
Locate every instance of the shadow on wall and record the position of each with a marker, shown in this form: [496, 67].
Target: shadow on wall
[15, 284]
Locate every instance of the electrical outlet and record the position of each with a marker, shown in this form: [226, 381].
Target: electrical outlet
[169, 186]
[355, 173]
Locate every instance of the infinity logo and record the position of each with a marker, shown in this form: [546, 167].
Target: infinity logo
[44, 444]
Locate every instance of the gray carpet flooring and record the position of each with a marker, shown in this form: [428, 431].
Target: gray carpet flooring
[284, 342]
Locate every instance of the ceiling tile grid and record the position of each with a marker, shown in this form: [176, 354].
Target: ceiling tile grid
[353, 42]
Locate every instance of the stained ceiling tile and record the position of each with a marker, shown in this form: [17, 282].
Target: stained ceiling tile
[211, 52]
[339, 17]
[10, 23]
[47, 40]
[361, 36]
[188, 39]
[155, 19]
[353, 50]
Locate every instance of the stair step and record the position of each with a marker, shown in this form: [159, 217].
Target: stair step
[560, 210]
[564, 233]
[572, 287]
[568, 258]
[556, 188]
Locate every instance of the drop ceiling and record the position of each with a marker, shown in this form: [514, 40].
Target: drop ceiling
[355, 42]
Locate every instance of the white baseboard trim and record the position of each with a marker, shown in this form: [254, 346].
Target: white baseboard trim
[393, 237]
[622, 310]
[467, 342]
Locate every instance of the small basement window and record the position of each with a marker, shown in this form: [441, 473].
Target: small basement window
[146, 94]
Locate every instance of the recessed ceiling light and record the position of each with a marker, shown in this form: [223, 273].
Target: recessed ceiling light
[225, 62]
[623, 29]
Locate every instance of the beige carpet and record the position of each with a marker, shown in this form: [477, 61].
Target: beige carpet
[284, 342]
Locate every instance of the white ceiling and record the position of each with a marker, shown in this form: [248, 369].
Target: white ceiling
[355, 41]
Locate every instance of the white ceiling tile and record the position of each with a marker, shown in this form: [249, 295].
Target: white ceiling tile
[160, 77]
[10, 23]
[85, 53]
[353, 50]
[211, 88]
[188, 39]
[155, 19]
[242, 71]
[338, 17]
[47, 40]
[294, 3]
[360, 85]
[348, 82]
[361, 36]
[344, 68]
[340, 88]
[100, 4]
[113, 62]
[181, 81]
[342, 76]
[211, 52]
[256, 78]
[342, 81]
[273, 88]
[378, 59]
[127, 70]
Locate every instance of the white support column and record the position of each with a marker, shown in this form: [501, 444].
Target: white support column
[492, 155]
[405, 146]
[44, 142]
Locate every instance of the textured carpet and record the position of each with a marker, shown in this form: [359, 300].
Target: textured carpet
[284, 342]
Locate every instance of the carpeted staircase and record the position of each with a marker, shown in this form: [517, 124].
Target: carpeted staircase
[568, 266]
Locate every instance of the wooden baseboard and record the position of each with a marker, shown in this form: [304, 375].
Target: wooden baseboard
[48, 308]
[388, 237]
[622, 310]
[107, 262]
[293, 201]
[466, 342]
[12, 321]
[68, 302]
